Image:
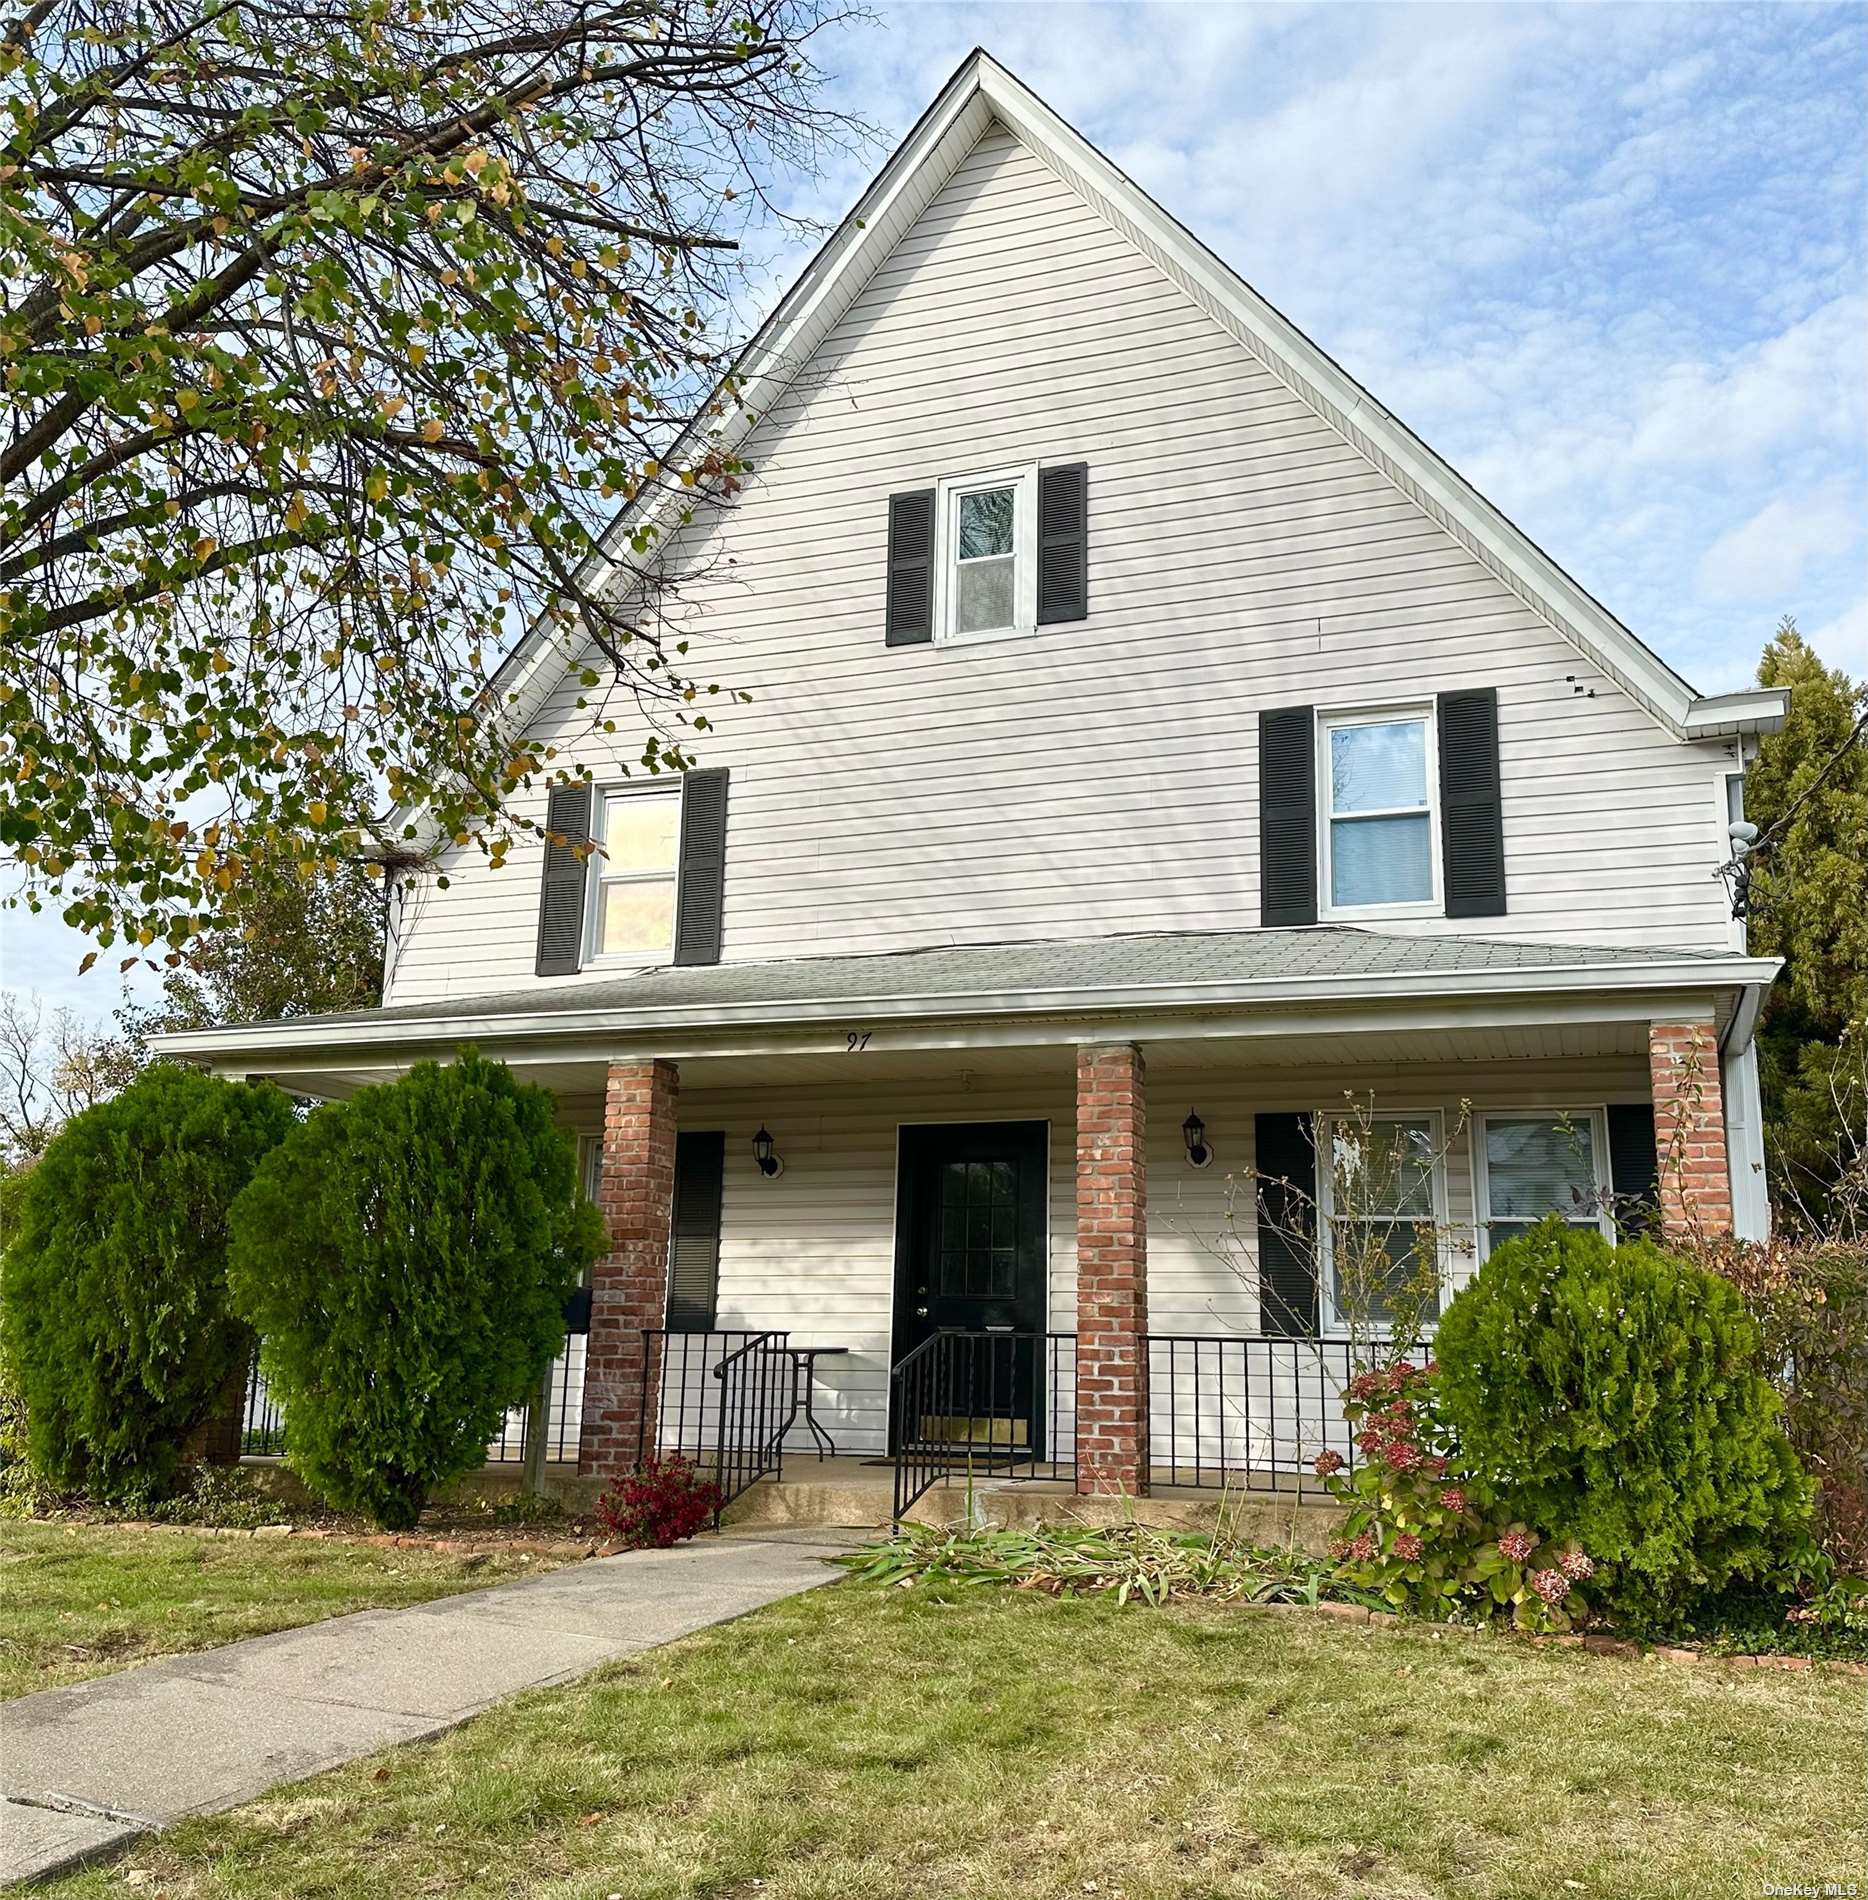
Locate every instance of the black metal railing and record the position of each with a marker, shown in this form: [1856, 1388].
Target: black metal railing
[563, 1392]
[985, 1404]
[1247, 1409]
[721, 1399]
[262, 1420]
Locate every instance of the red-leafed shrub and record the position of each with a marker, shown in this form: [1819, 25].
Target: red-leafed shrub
[663, 1502]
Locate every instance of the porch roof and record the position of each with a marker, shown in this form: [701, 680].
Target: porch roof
[1086, 983]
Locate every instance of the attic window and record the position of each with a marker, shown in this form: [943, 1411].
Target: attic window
[988, 573]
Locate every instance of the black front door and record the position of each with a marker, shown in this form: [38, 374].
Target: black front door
[970, 1259]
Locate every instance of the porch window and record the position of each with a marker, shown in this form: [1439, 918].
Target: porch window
[1378, 773]
[1531, 1165]
[988, 578]
[1380, 1196]
[632, 908]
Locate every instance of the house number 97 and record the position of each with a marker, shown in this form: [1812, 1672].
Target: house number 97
[857, 1041]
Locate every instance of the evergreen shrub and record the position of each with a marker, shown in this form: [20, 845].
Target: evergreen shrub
[405, 1258]
[1611, 1395]
[117, 1329]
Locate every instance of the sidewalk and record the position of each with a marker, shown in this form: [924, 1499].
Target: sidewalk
[87, 1769]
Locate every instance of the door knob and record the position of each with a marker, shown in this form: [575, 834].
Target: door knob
[921, 1312]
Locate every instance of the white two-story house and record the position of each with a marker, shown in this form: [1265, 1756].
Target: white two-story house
[1151, 745]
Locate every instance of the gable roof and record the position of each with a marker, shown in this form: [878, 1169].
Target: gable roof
[983, 91]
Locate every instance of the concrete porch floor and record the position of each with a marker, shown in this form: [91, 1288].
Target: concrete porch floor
[858, 1494]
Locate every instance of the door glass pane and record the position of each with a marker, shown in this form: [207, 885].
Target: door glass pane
[1381, 861]
[1537, 1165]
[1378, 767]
[637, 915]
[986, 523]
[985, 595]
[979, 1229]
[639, 832]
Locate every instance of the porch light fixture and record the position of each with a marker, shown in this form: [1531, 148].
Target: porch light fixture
[764, 1153]
[1193, 1129]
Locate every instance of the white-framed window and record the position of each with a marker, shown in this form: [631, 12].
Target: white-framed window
[1377, 811]
[1535, 1161]
[631, 908]
[986, 582]
[1381, 1204]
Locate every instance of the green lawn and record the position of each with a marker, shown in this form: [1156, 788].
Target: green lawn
[897, 1744]
[77, 1600]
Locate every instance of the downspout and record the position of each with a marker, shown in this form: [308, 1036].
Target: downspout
[1744, 1118]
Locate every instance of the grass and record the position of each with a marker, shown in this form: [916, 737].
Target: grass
[954, 1743]
[79, 1600]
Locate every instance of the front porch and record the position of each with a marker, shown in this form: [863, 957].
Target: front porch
[983, 1212]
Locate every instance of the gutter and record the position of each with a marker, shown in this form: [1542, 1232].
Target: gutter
[1749, 974]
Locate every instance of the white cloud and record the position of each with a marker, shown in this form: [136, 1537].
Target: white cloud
[1767, 557]
[1843, 641]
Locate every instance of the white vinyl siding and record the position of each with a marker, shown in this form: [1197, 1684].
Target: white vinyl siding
[1098, 777]
[814, 1250]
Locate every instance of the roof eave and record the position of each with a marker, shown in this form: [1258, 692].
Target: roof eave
[304, 1034]
[1728, 715]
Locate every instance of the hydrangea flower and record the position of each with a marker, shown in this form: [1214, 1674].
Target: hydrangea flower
[1363, 1547]
[1407, 1546]
[1552, 1585]
[1453, 1498]
[1576, 1566]
[1399, 1455]
[1328, 1463]
[1518, 1545]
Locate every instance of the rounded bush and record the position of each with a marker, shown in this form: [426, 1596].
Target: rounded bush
[1612, 1395]
[405, 1258]
[113, 1296]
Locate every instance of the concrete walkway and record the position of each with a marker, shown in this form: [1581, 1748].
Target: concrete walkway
[87, 1769]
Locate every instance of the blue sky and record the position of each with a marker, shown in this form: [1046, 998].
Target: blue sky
[1609, 260]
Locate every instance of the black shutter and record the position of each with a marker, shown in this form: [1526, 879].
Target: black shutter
[694, 1245]
[1063, 543]
[700, 892]
[561, 895]
[1634, 1167]
[1472, 823]
[910, 616]
[1287, 816]
[1287, 1225]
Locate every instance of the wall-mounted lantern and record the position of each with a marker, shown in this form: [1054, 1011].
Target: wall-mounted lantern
[1193, 1131]
[766, 1154]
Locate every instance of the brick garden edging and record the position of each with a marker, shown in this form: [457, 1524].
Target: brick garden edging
[1594, 1645]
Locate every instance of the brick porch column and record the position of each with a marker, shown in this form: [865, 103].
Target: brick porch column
[1695, 1176]
[1112, 1271]
[629, 1285]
